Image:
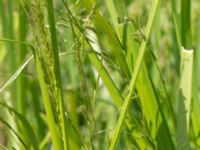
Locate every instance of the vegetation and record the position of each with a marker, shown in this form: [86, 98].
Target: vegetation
[99, 74]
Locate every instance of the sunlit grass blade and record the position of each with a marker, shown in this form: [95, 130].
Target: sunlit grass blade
[185, 98]
[16, 74]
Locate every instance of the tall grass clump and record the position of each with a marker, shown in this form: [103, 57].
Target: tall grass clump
[97, 75]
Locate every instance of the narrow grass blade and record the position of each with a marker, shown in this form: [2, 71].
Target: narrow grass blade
[50, 117]
[16, 74]
[186, 35]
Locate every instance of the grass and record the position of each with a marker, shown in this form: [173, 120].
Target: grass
[95, 74]
[137, 65]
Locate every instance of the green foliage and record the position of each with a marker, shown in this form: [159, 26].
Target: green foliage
[99, 74]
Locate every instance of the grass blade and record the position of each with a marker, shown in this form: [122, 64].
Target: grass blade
[186, 35]
[47, 104]
[185, 97]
